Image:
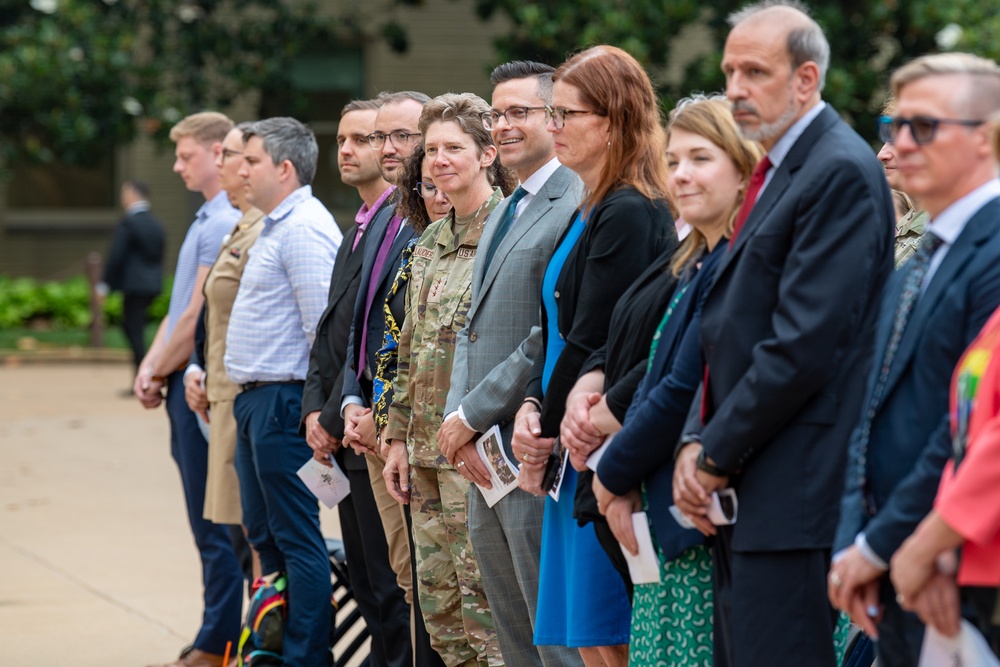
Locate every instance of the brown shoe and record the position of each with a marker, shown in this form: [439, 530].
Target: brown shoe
[196, 658]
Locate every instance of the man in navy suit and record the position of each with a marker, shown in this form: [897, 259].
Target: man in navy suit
[785, 329]
[941, 139]
[135, 264]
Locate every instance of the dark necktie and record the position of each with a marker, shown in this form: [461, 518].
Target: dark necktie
[753, 190]
[916, 271]
[505, 223]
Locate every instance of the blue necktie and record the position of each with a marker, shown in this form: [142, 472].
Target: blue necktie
[505, 223]
[916, 271]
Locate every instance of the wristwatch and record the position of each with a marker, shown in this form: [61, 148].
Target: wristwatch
[712, 469]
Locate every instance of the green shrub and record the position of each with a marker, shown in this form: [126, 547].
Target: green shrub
[62, 305]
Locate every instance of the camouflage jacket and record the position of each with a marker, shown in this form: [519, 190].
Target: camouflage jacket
[438, 298]
[909, 231]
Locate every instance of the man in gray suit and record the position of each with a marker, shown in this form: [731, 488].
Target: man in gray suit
[496, 349]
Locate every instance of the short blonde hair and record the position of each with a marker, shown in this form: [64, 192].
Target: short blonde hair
[207, 127]
[978, 101]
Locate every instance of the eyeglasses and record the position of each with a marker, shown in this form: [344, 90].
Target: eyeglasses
[399, 138]
[514, 116]
[426, 190]
[558, 115]
[228, 153]
[923, 129]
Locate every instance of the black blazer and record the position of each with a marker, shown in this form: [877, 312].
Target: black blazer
[787, 331]
[135, 260]
[376, 318]
[642, 452]
[903, 466]
[326, 359]
[625, 234]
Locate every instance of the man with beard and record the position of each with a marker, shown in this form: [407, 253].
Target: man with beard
[787, 325]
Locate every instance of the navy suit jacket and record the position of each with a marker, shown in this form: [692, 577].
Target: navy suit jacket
[904, 455]
[787, 331]
[376, 318]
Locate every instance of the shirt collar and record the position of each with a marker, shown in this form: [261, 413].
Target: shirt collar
[288, 204]
[951, 221]
[538, 179]
[366, 213]
[219, 203]
[780, 149]
[137, 207]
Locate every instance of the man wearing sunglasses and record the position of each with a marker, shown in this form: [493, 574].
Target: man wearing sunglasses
[495, 351]
[933, 308]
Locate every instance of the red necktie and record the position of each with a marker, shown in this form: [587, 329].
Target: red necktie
[756, 183]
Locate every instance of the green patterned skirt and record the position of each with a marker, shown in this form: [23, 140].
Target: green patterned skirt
[672, 620]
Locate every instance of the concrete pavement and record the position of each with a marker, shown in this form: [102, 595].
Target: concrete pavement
[97, 563]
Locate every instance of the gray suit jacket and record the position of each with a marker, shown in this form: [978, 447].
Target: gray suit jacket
[495, 352]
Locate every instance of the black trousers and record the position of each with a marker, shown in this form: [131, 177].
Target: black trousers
[771, 607]
[134, 323]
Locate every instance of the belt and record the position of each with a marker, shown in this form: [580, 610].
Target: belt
[263, 383]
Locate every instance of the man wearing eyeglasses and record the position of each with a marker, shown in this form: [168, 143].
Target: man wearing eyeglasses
[380, 599]
[495, 351]
[394, 139]
[949, 288]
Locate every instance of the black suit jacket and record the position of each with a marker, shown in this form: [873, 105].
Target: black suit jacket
[376, 318]
[787, 332]
[135, 260]
[903, 465]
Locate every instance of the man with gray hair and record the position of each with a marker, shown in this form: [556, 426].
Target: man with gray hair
[933, 309]
[809, 255]
[282, 294]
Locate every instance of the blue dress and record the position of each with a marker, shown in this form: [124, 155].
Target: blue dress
[581, 597]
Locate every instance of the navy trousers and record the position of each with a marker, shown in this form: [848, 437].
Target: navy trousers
[220, 569]
[282, 516]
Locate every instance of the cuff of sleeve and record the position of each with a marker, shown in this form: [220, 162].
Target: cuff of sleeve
[461, 415]
[192, 368]
[861, 542]
[350, 400]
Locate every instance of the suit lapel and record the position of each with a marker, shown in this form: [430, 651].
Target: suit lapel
[779, 183]
[539, 206]
[980, 228]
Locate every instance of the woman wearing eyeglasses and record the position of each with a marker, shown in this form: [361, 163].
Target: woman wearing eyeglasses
[606, 123]
[460, 157]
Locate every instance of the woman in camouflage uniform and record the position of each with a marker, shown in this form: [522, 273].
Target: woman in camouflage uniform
[460, 154]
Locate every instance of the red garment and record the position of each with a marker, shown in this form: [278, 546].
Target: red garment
[969, 499]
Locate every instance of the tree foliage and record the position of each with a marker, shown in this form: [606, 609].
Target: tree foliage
[76, 76]
[868, 38]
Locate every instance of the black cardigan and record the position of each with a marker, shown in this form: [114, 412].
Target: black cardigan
[625, 234]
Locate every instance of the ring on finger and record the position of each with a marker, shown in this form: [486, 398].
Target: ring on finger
[527, 458]
[900, 600]
[460, 464]
[836, 580]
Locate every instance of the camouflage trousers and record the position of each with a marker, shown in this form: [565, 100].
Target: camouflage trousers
[449, 586]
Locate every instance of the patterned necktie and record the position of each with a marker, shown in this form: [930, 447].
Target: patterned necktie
[916, 271]
[505, 223]
[753, 190]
